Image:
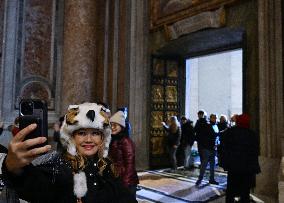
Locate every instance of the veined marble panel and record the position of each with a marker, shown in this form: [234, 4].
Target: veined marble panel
[37, 38]
[2, 3]
[37, 72]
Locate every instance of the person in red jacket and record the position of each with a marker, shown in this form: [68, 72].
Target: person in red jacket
[122, 152]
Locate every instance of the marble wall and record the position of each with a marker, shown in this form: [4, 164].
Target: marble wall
[2, 8]
[35, 78]
[2, 4]
[30, 67]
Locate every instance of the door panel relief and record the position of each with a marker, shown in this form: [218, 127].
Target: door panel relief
[164, 104]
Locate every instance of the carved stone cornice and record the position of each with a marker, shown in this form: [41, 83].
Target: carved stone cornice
[181, 10]
[208, 19]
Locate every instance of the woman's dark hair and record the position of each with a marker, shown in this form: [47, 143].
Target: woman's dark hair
[103, 104]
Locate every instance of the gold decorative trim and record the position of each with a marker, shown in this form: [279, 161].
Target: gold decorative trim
[171, 94]
[157, 93]
[157, 144]
[169, 114]
[156, 119]
[172, 69]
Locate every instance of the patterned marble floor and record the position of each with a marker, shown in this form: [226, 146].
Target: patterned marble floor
[179, 186]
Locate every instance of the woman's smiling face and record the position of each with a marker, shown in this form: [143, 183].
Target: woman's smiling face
[88, 141]
[115, 128]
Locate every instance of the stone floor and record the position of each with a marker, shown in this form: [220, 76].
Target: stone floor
[167, 186]
[179, 186]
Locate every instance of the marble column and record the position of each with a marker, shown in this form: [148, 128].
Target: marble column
[139, 73]
[78, 52]
[270, 94]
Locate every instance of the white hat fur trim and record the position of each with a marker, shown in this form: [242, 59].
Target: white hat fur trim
[86, 115]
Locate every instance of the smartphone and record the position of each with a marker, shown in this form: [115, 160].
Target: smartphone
[34, 111]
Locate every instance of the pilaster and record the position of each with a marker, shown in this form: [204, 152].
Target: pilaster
[270, 94]
[78, 52]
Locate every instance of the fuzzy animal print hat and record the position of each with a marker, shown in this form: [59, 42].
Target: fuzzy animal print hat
[86, 115]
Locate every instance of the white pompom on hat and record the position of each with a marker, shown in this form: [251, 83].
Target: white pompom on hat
[119, 118]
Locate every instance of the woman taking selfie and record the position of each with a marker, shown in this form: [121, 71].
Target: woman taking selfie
[82, 173]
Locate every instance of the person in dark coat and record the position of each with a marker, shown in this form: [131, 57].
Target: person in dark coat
[6, 194]
[223, 123]
[122, 152]
[3, 151]
[200, 130]
[174, 136]
[222, 126]
[208, 150]
[241, 159]
[187, 140]
[83, 173]
[2, 148]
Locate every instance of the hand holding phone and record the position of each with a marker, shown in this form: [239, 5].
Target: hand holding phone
[21, 152]
[34, 111]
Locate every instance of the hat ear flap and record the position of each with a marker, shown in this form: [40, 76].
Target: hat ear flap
[72, 149]
[67, 142]
[103, 151]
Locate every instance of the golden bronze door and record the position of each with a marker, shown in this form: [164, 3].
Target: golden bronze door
[165, 102]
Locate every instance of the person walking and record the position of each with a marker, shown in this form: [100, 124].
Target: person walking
[200, 130]
[208, 150]
[241, 151]
[174, 136]
[187, 140]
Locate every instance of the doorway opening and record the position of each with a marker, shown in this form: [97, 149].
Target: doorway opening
[214, 83]
[196, 49]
